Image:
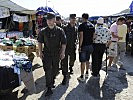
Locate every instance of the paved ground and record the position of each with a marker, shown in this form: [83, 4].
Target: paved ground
[118, 85]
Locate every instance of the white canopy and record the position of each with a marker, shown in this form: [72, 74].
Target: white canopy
[14, 7]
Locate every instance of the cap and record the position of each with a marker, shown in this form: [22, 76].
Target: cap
[73, 16]
[58, 18]
[100, 20]
[50, 15]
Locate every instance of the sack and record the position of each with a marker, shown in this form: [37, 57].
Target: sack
[8, 79]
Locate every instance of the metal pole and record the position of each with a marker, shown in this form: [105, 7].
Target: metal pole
[46, 3]
[106, 62]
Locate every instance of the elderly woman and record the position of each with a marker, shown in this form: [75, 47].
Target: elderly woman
[102, 36]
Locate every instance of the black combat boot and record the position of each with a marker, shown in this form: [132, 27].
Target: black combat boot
[71, 69]
[64, 80]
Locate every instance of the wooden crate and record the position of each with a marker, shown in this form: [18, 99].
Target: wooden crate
[20, 49]
[30, 49]
[0, 47]
[6, 48]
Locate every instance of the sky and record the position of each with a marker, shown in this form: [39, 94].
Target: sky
[66, 7]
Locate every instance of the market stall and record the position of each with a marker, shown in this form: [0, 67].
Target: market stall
[21, 45]
[14, 68]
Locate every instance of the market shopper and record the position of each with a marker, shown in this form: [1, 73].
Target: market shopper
[113, 48]
[86, 31]
[122, 31]
[70, 54]
[54, 41]
[102, 38]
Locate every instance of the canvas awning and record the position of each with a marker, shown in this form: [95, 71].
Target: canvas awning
[15, 8]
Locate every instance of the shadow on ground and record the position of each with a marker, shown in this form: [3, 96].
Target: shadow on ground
[9, 96]
[58, 92]
[40, 86]
[114, 83]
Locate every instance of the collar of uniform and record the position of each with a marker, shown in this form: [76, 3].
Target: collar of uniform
[85, 22]
[52, 28]
[69, 25]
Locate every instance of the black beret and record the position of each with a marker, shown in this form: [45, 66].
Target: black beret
[58, 18]
[73, 16]
[50, 15]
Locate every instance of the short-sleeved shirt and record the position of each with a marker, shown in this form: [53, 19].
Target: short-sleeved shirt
[122, 31]
[102, 35]
[52, 39]
[114, 29]
[88, 30]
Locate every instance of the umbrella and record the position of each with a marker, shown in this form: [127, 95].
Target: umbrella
[41, 11]
[46, 9]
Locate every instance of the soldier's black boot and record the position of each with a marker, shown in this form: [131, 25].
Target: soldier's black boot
[53, 87]
[64, 80]
[49, 92]
[71, 69]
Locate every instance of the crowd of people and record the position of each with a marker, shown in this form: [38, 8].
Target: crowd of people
[58, 44]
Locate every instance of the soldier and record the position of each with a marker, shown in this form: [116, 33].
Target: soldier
[54, 41]
[58, 22]
[71, 34]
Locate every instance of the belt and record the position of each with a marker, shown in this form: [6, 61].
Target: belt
[114, 41]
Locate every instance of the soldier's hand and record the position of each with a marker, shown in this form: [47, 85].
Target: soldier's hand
[41, 55]
[62, 55]
[37, 31]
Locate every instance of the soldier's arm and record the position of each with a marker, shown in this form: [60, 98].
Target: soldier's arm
[63, 45]
[63, 48]
[77, 37]
[40, 43]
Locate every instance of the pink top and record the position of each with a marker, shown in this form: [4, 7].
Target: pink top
[114, 28]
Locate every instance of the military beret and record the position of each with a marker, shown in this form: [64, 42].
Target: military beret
[50, 15]
[73, 16]
[58, 18]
